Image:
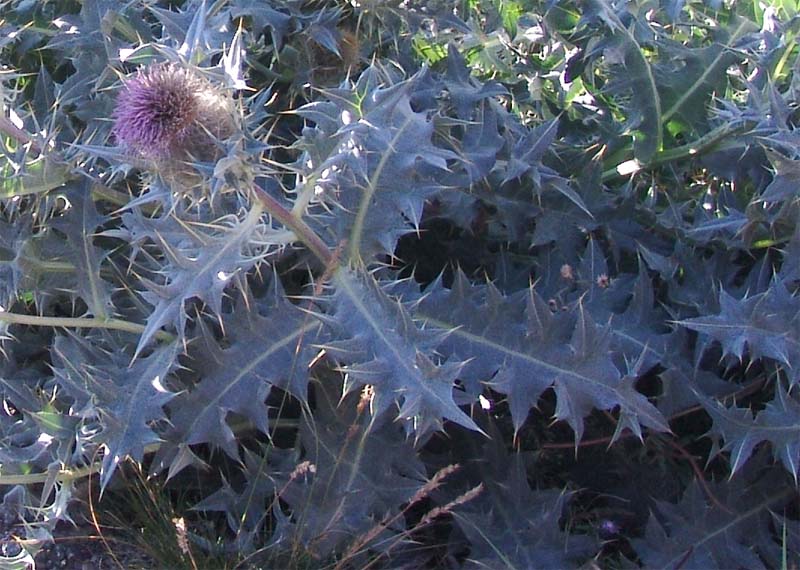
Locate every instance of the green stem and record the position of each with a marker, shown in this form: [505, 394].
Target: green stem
[704, 143]
[63, 475]
[79, 322]
[776, 74]
[52, 266]
[109, 195]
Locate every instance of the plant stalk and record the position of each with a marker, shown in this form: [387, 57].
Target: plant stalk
[79, 322]
[704, 143]
[303, 232]
[12, 130]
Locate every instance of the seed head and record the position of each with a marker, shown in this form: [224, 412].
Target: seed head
[161, 111]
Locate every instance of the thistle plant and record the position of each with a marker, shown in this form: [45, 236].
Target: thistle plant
[541, 241]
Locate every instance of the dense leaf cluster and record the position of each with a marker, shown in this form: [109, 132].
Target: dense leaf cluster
[475, 284]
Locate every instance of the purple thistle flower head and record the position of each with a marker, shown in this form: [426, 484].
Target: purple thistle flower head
[161, 109]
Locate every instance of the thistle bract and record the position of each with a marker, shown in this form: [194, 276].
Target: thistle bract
[166, 110]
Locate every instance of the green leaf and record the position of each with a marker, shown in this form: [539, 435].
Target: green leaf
[39, 176]
[689, 78]
[639, 80]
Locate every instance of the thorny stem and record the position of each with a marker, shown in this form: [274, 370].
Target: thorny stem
[63, 475]
[109, 195]
[79, 322]
[698, 473]
[12, 130]
[704, 143]
[303, 232]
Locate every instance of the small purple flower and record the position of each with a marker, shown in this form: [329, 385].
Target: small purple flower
[163, 107]
[608, 529]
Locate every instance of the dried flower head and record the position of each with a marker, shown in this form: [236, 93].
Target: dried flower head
[367, 397]
[167, 110]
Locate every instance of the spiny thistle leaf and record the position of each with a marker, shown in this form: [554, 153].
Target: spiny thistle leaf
[384, 167]
[634, 76]
[742, 430]
[520, 347]
[464, 92]
[12, 273]
[244, 508]
[391, 153]
[199, 265]
[509, 525]
[784, 184]
[378, 344]
[725, 533]
[127, 399]
[79, 224]
[759, 326]
[639, 331]
[362, 469]
[269, 345]
[140, 401]
[682, 380]
[689, 78]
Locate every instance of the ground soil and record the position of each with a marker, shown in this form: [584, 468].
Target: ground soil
[81, 548]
